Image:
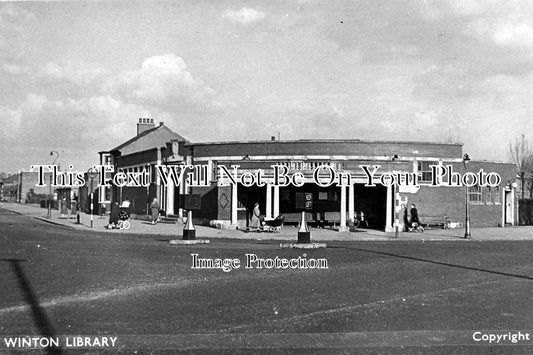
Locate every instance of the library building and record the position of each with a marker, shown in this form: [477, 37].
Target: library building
[335, 182]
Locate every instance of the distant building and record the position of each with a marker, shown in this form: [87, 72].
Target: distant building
[21, 187]
[9, 188]
[228, 205]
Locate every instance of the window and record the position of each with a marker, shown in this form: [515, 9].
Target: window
[491, 195]
[106, 159]
[475, 195]
[323, 195]
[424, 170]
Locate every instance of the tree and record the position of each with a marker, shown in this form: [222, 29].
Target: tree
[522, 156]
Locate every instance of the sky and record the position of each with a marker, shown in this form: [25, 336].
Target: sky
[75, 76]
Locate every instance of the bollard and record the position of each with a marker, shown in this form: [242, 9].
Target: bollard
[189, 233]
[304, 235]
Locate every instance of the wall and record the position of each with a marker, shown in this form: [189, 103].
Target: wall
[328, 147]
[28, 180]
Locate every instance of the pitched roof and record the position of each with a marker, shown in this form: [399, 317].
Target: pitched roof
[152, 138]
[11, 179]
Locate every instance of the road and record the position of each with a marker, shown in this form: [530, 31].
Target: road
[376, 297]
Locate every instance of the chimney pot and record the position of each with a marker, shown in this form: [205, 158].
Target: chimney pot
[145, 124]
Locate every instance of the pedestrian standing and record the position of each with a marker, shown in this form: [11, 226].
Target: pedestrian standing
[255, 222]
[74, 206]
[154, 206]
[406, 224]
[64, 208]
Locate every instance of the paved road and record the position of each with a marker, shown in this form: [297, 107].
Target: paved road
[375, 296]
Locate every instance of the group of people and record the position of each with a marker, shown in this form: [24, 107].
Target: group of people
[71, 208]
[122, 212]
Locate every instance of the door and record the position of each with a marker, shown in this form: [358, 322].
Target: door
[509, 201]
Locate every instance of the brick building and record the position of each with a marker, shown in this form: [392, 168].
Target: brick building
[148, 148]
[228, 204]
[21, 187]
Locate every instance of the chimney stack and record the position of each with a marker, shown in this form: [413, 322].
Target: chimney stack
[144, 125]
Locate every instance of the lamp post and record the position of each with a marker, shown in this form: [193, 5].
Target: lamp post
[49, 215]
[466, 159]
[92, 175]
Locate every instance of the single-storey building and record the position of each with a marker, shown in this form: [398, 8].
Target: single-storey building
[224, 185]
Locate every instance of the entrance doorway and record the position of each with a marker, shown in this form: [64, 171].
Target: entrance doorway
[246, 198]
[372, 201]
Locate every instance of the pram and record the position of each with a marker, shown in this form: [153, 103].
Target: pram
[416, 227]
[124, 218]
[272, 225]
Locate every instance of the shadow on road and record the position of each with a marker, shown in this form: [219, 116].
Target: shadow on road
[439, 263]
[39, 316]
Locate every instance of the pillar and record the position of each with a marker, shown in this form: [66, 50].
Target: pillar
[157, 177]
[351, 203]
[183, 191]
[268, 212]
[234, 204]
[170, 197]
[276, 201]
[388, 219]
[342, 226]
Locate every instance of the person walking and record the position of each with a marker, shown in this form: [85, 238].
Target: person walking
[406, 224]
[114, 215]
[154, 206]
[414, 215]
[255, 222]
[415, 221]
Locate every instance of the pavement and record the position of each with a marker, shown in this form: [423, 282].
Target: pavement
[289, 232]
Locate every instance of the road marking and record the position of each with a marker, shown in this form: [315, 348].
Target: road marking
[97, 295]
[123, 291]
[363, 305]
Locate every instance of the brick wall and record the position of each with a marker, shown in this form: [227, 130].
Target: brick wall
[329, 147]
[28, 180]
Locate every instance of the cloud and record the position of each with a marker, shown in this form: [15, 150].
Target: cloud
[14, 18]
[16, 25]
[165, 83]
[74, 126]
[81, 108]
[161, 83]
[12, 122]
[503, 32]
[15, 69]
[244, 16]
[76, 75]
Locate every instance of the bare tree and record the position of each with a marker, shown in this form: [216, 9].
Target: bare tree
[522, 157]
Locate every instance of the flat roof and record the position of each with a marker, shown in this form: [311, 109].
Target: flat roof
[322, 141]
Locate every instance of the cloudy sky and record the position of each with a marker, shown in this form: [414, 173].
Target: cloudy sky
[75, 76]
